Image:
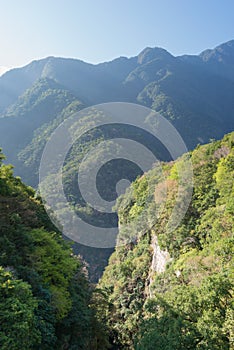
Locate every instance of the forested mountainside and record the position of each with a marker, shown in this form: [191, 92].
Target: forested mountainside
[196, 93]
[161, 291]
[45, 297]
[174, 291]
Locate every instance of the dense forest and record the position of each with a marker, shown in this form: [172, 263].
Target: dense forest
[175, 291]
[46, 299]
[160, 291]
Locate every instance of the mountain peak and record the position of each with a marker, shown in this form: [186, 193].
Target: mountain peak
[150, 54]
[223, 53]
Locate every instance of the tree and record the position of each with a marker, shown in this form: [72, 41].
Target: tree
[17, 307]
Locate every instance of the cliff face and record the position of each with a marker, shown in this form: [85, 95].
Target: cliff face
[160, 257]
[173, 289]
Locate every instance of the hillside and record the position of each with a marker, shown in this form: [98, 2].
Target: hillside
[45, 297]
[174, 290]
[38, 111]
[162, 290]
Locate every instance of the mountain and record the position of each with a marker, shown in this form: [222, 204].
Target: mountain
[218, 60]
[195, 93]
[14, 82]
[174, 289]
[38, 107]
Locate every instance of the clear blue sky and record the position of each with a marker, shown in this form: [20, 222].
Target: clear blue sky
[100, 30]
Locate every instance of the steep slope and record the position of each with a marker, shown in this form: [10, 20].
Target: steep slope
[93, 84]
[219, 60]
[45, 296]
[38, 106]
[191, 96]
[14, 82]
[174, 290]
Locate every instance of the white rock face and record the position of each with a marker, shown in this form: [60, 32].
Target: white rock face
[160, 257]
[159, 261]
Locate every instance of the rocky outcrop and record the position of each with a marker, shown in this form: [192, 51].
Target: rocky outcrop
[160, 259]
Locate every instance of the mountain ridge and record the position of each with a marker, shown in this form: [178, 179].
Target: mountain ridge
[40, 68]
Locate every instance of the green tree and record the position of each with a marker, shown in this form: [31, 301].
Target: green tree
[17, 314]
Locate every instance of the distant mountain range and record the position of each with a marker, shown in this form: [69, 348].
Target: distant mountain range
[196, 93]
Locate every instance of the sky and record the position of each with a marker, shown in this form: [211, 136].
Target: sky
[100, 30]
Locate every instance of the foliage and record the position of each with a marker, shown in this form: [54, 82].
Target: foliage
[190, 304]
[17, 313]
[45, 294]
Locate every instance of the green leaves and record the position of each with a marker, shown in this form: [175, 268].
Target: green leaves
[189, 305]
[52, 260]
[189, 317]
[18, 323]
[44, 293]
